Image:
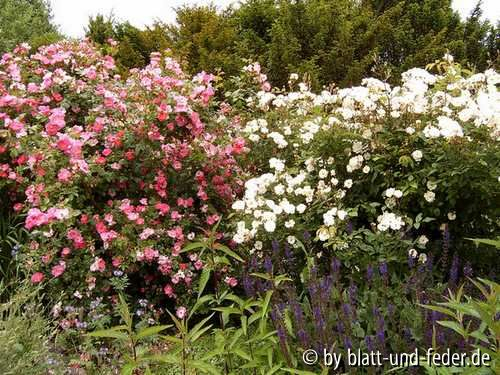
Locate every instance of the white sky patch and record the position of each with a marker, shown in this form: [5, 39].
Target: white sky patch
[491, 8]
[72, 16]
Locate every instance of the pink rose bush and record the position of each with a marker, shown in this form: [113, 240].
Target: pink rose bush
[113, 176]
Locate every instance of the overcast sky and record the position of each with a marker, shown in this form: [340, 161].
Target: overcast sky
[72, 16]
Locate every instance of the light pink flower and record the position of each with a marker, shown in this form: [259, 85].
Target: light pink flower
[99, 265]
[64, 175]
[231, 281]
[181, 312]
[58, 269]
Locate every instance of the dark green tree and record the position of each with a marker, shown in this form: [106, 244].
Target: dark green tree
[134, 45]
[340, 41]
[205, 39]
[26, 21]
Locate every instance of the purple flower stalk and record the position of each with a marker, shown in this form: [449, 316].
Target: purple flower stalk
[288, 252]
[248, 285]
[411, 261]
[369, 273]
[347, 343]
[349, 227]
[352, 292]
[268, 265]
[468, 272]
[383, 270]
[276, 247]
[369, 343]
[346, 309]
[335, 268]
[299, 323]
[454, 271]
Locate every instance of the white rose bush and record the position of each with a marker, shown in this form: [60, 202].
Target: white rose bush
[394, 161]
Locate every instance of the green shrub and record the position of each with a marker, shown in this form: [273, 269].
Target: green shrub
[25, 334]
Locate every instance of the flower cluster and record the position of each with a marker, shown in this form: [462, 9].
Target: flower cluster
[114, 176]
[374, 156]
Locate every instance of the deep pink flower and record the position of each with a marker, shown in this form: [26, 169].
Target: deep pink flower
[37, 277]
[163, 208]
[168, 290]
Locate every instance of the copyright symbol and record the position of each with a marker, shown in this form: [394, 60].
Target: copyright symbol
[310, 357]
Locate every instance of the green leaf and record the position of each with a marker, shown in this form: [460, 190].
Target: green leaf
[199, 328]
[124, 312]
[200, 302]
[264, 276]
[192, 246]
[203, 366]
[298, 372]
[151, 331]
[265, 307]
[128, 369]
[244, 324]
[109, 333]
[454, 326]
[274, 369]
[440, 309]
[242, 354]
[177, 322]
[173, 339]
[164, 358]
[205, 276]
[485, 241]
[227, 310]
[226, 250]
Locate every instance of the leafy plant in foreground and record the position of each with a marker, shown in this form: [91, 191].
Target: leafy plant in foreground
[24, 333]
[137, 357]
[462, 311]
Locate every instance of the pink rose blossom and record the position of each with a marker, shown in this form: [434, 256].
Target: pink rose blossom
[231, 281]
[37, 277]
[64, 175]
[99, 265]
[58, 269]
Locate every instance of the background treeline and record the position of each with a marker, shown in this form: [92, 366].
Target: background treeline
[338, 41]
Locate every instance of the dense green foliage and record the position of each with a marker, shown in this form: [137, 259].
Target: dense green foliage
[339, 41]
[24, 333]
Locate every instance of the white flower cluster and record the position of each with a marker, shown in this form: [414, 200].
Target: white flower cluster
[389, 220]
[278, 199]
[446, 128]
[431, 109]
[265, 212]
[330, 216]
